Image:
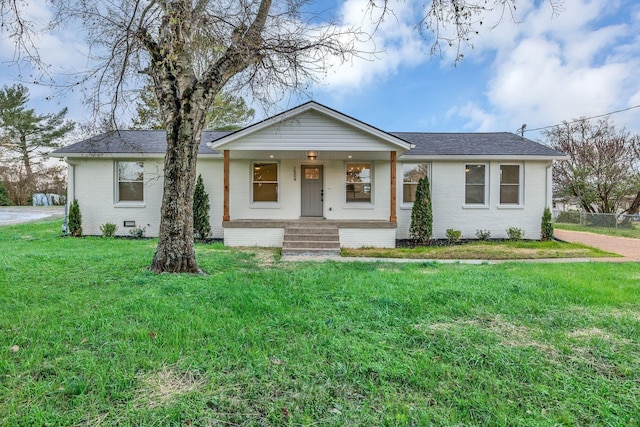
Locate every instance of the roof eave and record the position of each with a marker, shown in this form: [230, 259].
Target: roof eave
[485, 157]
[124, 155]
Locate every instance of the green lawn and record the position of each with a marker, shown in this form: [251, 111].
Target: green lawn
[89, 337]
[633, 232]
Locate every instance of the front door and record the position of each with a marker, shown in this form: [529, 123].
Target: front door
[312, 193]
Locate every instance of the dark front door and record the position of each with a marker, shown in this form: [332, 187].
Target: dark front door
[312, 193]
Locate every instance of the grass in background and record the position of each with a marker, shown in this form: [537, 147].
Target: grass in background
[88, 336]
[514, 250]
[633, 232]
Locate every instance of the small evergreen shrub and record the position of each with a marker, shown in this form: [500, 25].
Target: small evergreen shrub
[453, 235]
[5, 199]
[75, 219]
[422, 215]
[483, 234]
[515, 233]
[138, 232]
[546, 227]
[108, 229]
[201, 207]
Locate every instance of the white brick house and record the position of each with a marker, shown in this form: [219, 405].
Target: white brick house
[313, 162]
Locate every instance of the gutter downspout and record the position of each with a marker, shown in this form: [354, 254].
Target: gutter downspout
[548, 187]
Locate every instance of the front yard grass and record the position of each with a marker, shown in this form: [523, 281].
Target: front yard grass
[511, 250]
[89, 337]
[632, 232]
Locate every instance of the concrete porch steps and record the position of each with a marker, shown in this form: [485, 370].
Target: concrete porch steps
[311, 239]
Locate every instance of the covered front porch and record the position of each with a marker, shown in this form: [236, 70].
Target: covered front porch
[311, 163]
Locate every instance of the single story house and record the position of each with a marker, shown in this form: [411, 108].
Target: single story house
[314, 167]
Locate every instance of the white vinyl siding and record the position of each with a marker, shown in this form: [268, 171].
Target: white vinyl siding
[310, 131]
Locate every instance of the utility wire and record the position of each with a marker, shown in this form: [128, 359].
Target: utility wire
[577, 120]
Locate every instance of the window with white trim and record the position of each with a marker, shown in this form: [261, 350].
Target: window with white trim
[358, 183]
[475, 186]
[510, 181]
[130, 182]
[411, 174]
[265, 182]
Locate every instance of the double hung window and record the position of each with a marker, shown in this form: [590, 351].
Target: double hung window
[411, 174]
[358, 182]
[130, 185]
[475, 188]
[265, 182]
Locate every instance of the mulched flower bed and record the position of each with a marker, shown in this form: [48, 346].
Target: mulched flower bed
[411, 243]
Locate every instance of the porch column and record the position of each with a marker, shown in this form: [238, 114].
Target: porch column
[393, 217]
[225, 208]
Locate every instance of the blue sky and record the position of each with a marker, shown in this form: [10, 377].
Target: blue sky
[540, 71]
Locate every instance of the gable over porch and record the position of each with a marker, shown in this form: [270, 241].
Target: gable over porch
[310, 163]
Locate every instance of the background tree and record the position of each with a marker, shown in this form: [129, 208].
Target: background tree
[603, 171]
[5, 200]
[201, 208]
[45, 178]
[421, 227]
[192, 49]
[25, 135]
[228, 112]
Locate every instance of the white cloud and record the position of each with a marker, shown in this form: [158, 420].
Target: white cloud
[561, 68]
[395, 41]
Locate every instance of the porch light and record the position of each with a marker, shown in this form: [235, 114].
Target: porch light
[312, 155]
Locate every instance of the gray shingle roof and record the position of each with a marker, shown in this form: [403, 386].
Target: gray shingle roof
[134, 142]
[474, 144]
[426, 144]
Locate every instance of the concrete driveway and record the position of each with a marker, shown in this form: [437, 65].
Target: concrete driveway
[629, 248]
[10, 215]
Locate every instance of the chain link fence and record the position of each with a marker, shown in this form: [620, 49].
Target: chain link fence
[587, 219]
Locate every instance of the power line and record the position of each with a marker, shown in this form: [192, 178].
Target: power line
[577, 120]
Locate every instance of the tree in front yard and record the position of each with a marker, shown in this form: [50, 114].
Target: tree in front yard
[193, 50]
[201, 208]
[228, 112]
[422, 213]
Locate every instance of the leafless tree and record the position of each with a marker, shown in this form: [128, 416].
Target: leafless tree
[191, 49]
[603, 171]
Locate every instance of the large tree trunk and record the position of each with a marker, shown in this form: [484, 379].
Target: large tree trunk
[631, 210]
[175, 252]
[184, 98]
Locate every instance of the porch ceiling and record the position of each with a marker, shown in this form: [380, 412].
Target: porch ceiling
[302, 155]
